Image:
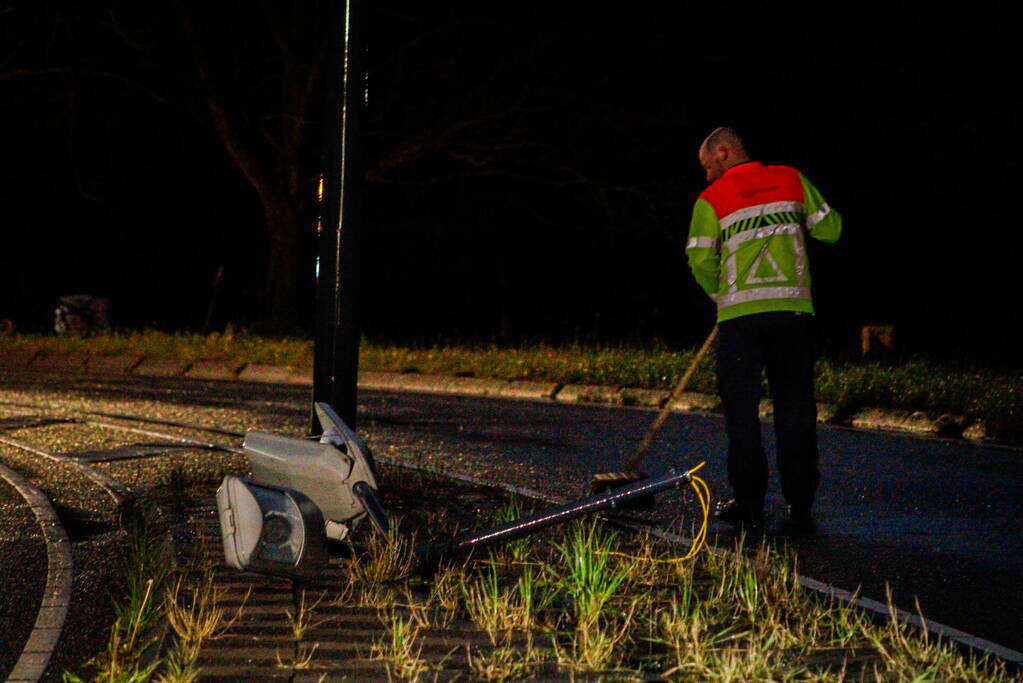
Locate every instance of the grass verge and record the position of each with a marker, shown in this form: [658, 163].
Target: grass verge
[583, 601]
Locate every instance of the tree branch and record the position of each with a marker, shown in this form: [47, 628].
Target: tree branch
[229, 137]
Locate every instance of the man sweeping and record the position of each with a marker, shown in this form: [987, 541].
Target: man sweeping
[747, 250]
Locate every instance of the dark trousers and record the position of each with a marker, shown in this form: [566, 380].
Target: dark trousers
[782, 344]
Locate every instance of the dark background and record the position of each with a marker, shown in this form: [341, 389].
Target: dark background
[530, 171]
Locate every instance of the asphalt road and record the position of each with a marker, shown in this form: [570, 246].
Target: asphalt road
[940, 522]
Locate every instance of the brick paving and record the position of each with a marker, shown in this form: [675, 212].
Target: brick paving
[260, 645]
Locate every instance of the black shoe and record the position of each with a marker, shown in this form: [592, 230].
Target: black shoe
[799, 521]
[739, 514]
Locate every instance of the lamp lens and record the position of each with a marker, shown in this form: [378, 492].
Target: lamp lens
[281, 539]
[276, 528]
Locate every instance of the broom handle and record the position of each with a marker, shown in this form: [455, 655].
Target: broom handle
[637, 457]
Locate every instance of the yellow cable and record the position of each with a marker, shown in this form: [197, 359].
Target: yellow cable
[703, 496]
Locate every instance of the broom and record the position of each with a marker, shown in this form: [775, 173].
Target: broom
[630, 474]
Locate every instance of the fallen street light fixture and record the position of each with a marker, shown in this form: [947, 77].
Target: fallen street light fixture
[270, 530]
[301, 493]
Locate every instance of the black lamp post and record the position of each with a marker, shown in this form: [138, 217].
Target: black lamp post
[336, 350]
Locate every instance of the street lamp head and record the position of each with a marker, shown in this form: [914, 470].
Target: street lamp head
[271, 530]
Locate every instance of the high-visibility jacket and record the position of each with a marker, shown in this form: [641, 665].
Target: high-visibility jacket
[746, 243]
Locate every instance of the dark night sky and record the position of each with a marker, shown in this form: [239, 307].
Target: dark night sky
[559, 211]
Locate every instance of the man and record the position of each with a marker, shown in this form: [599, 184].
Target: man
[746, 249]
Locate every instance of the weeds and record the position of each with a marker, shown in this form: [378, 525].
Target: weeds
[909, 653]
[488, 605]
[448, 589]
[499, 610]
[401, 648]
[517, 550]
[589, 603]
[180, 666]
[589, 579]
[387, 560]
[504, 663]
[534, 597]
[300, 621]
[128, 639]
[195, 613]
[598, 644]
[301, 659]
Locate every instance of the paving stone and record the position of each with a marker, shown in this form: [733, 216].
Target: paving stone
[693, 401]
[14, 361]
[211, 369]
[379, 380]
[59, 362]
[529, 390]
[51, 618]
[161, 367]
[650, 398]
[418, 382]
[275, 374]
[976, 432]
[475, 386]
[589, 393]
[113, 365]
[904, 420]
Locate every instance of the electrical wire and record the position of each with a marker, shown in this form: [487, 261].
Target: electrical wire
[699, 539]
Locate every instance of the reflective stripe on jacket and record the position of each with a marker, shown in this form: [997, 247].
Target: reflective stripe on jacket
[746, 240]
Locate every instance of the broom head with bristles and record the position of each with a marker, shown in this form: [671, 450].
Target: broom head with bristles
[607, 481]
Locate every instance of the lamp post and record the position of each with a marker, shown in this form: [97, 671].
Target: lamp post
[336, 349]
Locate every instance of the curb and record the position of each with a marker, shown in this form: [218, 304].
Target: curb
[950, 426]
[49, 623]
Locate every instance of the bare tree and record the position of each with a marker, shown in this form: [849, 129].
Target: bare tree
[262, 93]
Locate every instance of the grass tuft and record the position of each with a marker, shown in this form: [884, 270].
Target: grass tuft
[195, 613]
[504, 663]
[387, 561]
[401, 648]
[590, 578]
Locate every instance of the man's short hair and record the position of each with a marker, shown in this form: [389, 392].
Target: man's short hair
[723, 135]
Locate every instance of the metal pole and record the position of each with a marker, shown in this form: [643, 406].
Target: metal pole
[528, 525]
[371, 504]
[336, 350]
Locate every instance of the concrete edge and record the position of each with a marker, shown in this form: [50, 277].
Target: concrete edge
[901, 421]
[879, 608]
[213, 369]
[937, 628]
[56, 599]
